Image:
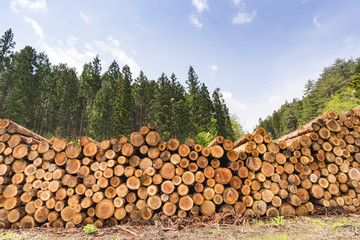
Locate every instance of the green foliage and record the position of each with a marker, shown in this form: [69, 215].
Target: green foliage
[56, 101]
[90, 229]
[7, 45]
[356, 80]
[277, 221]
[342, 101]
[223, 123]
[315, 221]
[343, 221]
[237, 127]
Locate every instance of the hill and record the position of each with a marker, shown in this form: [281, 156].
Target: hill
[337, 89]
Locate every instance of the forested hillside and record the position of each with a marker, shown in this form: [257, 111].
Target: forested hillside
[338, 88]
[54, 100]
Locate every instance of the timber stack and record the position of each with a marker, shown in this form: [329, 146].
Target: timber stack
[54, 183]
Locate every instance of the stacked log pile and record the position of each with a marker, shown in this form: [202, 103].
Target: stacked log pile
[59, 184]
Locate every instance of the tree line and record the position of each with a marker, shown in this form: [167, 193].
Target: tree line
[53, 100]
[337, 88]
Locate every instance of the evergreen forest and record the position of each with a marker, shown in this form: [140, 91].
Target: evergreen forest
[337, 88]
[55, 100]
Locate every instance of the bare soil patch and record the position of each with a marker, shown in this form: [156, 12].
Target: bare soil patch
[314, 227]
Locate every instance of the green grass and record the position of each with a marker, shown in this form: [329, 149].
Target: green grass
[344, 222]
[217, 230]
[12, 236]
[315, 221]
[277, 221]
[258, 222]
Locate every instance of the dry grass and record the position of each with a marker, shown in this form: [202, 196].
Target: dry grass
[316, 227]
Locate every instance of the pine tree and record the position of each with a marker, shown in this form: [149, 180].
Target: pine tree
[90, 83]
[356, 80]
[100, 124]
[22, 101]
[221, 115]
[199, 104]
[143, 90]
[161, 110]
[123, 109]
[179, 111]
[7, 45]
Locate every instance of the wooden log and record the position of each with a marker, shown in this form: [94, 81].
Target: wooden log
[104, 209]
[169, 208]
[223, 175]
[259, 207]
[41, 214]
[230, 195]
[15, 128]
[154, 202]
[217, 141]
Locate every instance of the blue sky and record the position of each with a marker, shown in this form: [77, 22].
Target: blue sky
[258, 52]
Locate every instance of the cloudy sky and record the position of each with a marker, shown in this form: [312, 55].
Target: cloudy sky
[259, 53]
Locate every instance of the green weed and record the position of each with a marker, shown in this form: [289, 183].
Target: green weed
[342, 222]
[217, 230]
[258, 222]
[90, 229]
[11, 236]
[315, 221]
[277, 221]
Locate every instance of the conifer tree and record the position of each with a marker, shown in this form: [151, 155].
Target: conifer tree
[143, 91]
[7, 45]
[221, 115]
[179, 110]
[122, 117]
[356, 80]
[161, 106]
[90, 80]
[22, 101]
[100, 124]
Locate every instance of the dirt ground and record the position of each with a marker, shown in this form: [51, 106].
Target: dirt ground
[314, 227]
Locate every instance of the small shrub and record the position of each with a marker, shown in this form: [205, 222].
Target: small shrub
[90, 229]
[277, 221]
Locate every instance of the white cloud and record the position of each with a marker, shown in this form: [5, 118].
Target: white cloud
[71, 41]
[274, 99]
[35, 26]
[239, 109]
[243, 17]
[68, 53]
[86, 17]
[200, 5]
[316, 21]
[232, 103]
[239, 3]
[116, 52]
[195, 21]
[28, 4]
[214, 68]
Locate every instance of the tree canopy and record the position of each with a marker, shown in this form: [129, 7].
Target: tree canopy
[53, 100]
[337, 88]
